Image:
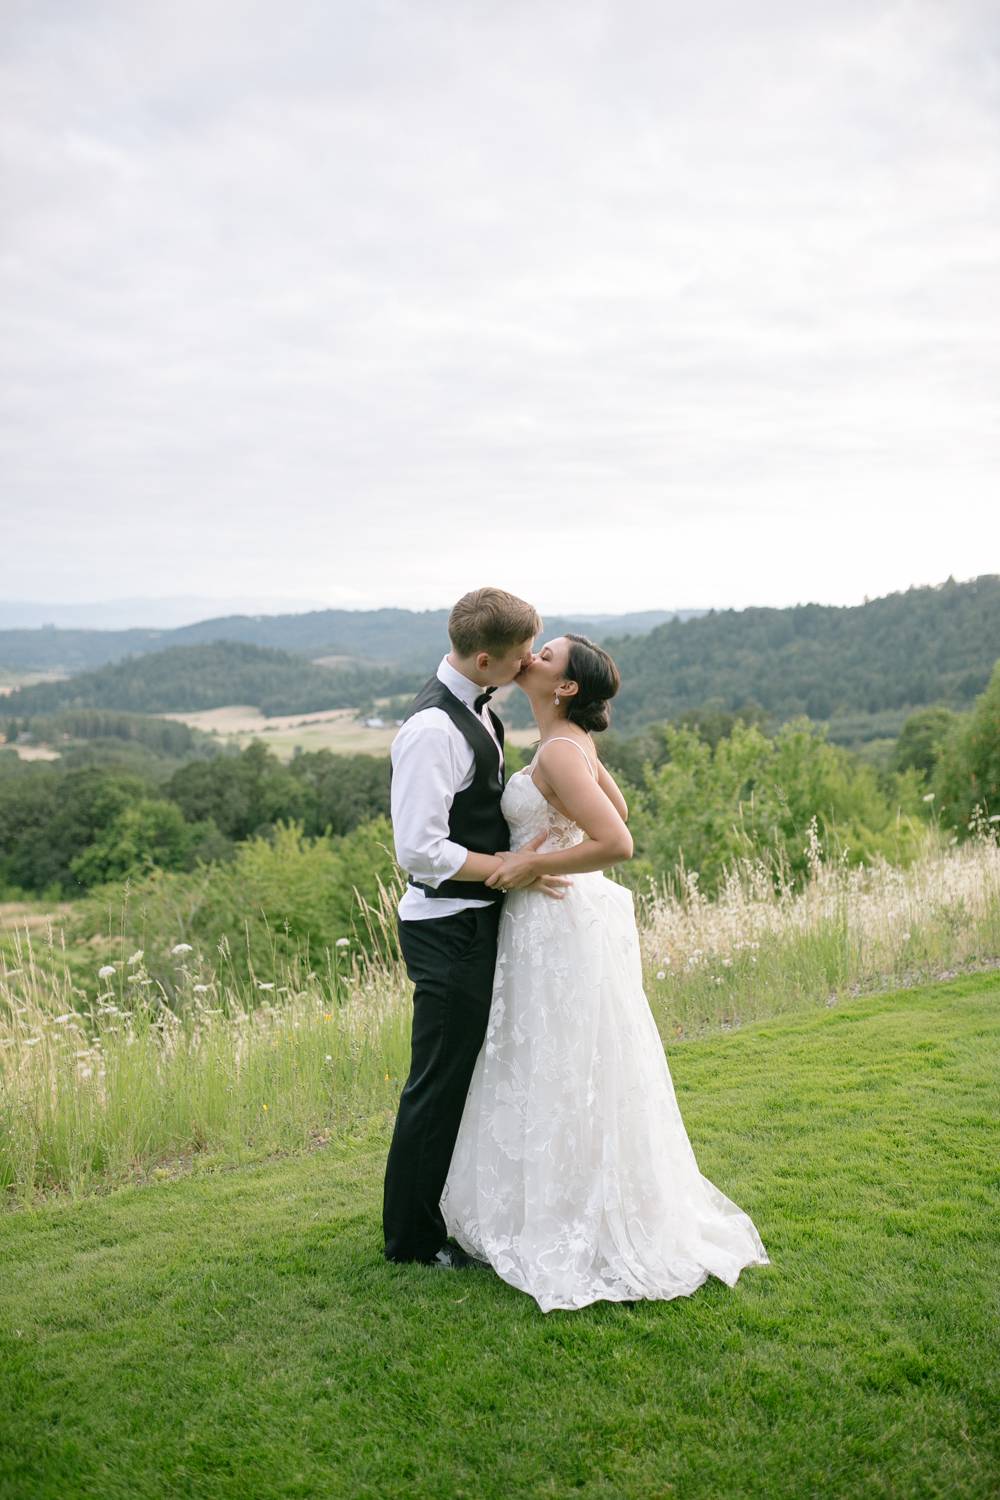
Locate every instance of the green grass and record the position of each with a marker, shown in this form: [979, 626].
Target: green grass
[238, 1334]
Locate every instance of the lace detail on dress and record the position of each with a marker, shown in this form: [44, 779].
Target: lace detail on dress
[573, 1174]
[528, 814]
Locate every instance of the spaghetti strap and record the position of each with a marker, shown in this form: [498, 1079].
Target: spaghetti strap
[568, 741]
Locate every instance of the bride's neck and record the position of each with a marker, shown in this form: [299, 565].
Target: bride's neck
[548, 717]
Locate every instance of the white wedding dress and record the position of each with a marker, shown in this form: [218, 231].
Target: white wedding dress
[573, 1174]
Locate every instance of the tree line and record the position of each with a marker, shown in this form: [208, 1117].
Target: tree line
[63, 832]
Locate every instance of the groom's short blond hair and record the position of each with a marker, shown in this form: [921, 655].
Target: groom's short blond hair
[491, 620]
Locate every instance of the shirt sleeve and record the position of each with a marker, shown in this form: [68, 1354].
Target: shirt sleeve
[428, 769]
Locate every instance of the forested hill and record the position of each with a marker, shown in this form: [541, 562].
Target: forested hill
[187, 679]
[929, 645]
[408, 639]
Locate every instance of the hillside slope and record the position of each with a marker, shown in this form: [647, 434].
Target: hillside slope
[928, 645]
[185, 679]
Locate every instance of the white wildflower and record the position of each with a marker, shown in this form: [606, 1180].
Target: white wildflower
[343, 943]
[264, 986]
[86, 1072]
[136, 956]
[182, 948]
[107, 972]
[201, 989]
[329, 1057]
[660, 974]
[929, 797]
[30, 1041]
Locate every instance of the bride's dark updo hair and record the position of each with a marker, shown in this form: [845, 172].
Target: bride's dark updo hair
[596, 677]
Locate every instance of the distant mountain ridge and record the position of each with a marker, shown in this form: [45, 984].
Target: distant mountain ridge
[408, 639]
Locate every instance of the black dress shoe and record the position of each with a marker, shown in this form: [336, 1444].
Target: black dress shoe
[452, 1257]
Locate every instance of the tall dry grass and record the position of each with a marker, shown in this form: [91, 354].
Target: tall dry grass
[765, 945]
[94, 1091]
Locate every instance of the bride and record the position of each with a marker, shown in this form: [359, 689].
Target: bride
[573, 1174]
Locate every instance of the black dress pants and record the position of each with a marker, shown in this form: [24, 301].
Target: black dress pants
[451, 961]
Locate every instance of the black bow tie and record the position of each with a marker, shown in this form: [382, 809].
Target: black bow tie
[483, 699]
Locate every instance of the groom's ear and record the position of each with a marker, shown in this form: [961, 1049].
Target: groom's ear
[482, 660]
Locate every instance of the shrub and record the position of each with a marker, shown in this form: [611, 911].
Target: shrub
[968, 774]
[757, 797]
[279, 898]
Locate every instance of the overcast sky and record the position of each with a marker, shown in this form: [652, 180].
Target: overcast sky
[620, 305]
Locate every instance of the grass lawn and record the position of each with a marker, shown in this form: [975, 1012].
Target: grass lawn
[238, 1334]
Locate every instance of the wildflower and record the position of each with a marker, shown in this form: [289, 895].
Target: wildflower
[264, 986]
[106, 972]
[329, 1057]
[181, 948]
[929, 797]
[136, 957]
[265, 1108]
[660, 974]
[201, 989]
[86, 1072]
[995, 818]
[906, 937]
[61, 1020]
[343, 943]
[30, 1041]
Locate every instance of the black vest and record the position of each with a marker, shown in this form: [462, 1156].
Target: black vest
[475, 820]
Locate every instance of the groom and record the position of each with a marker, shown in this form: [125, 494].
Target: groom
[447, 781]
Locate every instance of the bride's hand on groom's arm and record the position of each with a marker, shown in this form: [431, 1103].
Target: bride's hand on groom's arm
[519, 872]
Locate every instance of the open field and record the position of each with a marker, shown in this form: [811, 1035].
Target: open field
[11, 678]
[339, 730]
[237, 1333]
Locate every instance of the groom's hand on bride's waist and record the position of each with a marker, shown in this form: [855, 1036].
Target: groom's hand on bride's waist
[519, 872]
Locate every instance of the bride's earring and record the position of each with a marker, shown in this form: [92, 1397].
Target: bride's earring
[557, 700]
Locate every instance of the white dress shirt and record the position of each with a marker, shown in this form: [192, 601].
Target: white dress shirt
[432, 762]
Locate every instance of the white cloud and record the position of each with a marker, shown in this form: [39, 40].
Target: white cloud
[618, 305]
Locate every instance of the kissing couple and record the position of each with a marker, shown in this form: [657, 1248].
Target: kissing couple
[538, 1131]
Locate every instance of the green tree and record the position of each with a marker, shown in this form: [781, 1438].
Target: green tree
[140, 834]
[968, 773]
[923, 738]
[239, 793]
[752, 796]
[48, 819]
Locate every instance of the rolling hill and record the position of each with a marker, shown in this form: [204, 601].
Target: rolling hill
[929, 645]
[398, 637]
[190, 678]
[862, 668]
